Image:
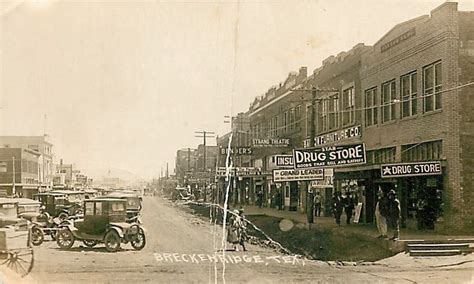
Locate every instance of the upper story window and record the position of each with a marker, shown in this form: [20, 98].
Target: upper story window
[348, 106]
[328, 113]
[389, 95]
[297, 117]
[408, 93]
[371, 107]
[431, 87]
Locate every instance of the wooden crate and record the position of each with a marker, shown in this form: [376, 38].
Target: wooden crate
[10, 239]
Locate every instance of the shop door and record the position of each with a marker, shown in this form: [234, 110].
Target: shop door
[293, 196]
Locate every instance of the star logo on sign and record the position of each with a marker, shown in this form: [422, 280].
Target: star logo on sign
[386, 171]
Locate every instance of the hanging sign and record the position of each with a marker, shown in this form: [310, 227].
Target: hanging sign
[334, 156]
[284, 161]
[284, 175]
[411, 169]
[239, 151]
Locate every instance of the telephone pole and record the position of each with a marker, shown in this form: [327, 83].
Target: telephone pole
[314, 92]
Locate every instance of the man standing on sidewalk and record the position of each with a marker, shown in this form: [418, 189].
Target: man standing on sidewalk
[381, 212]
[394, 213]
[337, 207]
[317, 204]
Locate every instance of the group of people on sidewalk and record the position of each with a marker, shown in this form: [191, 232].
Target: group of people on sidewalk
[387, 211]
[346, 202]
[387, 214]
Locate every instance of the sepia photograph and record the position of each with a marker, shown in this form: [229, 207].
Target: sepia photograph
[236, 141]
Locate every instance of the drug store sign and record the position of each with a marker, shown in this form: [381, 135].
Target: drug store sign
[411, 169]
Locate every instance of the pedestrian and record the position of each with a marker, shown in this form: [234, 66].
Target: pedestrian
[337, 207]
[232, 232]
[260, 198]
[349, 207]
[278, 199]
[381, 212]
[241, 225]
[394, 214]
[317, 204]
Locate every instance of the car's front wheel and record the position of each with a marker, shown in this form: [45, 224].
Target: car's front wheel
[37, 236]
[139, 241]
[65, 238]
[112, 241]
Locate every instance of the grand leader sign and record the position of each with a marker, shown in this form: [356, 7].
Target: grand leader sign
[284, 175]
[334, 156]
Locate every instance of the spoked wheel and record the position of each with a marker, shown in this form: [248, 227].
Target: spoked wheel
[65, 238]
[90, 243]
[37, 236]
[139, 241]
[112, 241]
[19, 261]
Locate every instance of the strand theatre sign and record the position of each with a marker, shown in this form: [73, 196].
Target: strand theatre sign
[411, 169]
[333, 156]
[284, 175]
[272, 142]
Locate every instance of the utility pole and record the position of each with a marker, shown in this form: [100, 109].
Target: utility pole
[189, 159]
[14, 177]
[205, 134]
[310, 207]
[314, 91]
[167, 173]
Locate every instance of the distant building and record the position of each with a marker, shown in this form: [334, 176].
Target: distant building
[39, 144]
[19, 172]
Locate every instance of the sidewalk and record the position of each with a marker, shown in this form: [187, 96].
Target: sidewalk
[365, 229]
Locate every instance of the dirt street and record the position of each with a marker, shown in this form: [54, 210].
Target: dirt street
[180, 249]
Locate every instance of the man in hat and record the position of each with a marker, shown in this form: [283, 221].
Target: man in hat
[394, 213]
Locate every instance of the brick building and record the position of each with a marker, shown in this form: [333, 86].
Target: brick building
[408, 98]
[40, 144]
[413, 111]
[19, 172]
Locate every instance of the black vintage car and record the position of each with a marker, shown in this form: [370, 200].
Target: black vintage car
[105, 221]
[133, 205]
[56, 204]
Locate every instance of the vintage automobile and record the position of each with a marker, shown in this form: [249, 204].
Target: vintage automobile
[105, 221]
[56, 204]
[133, 205]
[17, 212]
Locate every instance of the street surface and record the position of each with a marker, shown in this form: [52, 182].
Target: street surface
[180, 249]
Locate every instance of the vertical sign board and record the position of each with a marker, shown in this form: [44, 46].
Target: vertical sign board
[333, 156]
[358, 210]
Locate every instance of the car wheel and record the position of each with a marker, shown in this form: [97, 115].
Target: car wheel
[37, 236]
[112, 241]
[139, 241]
[65, 238]
[90, 243]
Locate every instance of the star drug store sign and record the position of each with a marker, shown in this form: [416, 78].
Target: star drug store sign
[410, 169]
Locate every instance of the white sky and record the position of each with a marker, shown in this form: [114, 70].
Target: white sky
[126, 84]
